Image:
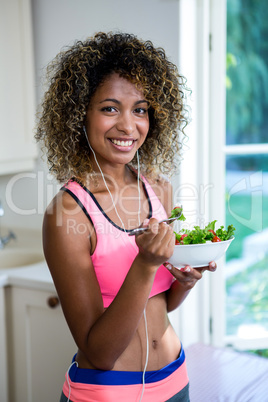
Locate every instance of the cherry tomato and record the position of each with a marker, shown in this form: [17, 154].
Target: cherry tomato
[215, 239]
[181, 239]
[212, 231]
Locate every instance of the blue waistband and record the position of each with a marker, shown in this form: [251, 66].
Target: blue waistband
[110, 377]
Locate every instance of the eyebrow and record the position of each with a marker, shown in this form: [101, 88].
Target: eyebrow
[118, 102]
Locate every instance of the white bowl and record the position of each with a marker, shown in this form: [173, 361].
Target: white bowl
[198, 255]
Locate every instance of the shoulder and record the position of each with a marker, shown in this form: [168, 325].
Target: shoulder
[65, 220]
[69, 200]
[162, 187]
[62, 204]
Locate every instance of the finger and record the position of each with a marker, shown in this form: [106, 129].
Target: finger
[172, 237]
[201, 269]
[179, 272]
[186, 269]
[174, 271]
[151, 229]
[145, 223]
[161, 233]
[185, 275]
[153, 226]
[168, 265]
[212, 266]
[189, 271]
[166, 235]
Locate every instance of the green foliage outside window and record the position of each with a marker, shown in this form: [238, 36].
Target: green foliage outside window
[247, 123]
[247, 71]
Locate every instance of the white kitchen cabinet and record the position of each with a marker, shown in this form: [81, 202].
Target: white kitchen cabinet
[17, 87]
[3, 349]
[40, 346]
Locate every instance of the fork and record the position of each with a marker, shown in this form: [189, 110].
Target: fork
[138, 231]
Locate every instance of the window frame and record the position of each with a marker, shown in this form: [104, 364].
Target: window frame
[218, 153]
[202, 59]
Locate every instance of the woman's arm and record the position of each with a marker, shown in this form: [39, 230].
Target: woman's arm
[102, 335]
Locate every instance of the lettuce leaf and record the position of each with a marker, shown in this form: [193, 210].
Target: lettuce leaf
[199, 236]
[225, 234]
[175, 213]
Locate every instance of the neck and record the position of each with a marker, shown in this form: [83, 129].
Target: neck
[123, 172]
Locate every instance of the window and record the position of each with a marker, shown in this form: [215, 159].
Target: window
[239, 104]
[228, 156]
[246, 159]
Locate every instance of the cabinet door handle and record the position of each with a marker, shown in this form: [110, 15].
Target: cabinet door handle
[53, 301]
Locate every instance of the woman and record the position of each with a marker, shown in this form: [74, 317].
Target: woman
[115, 108]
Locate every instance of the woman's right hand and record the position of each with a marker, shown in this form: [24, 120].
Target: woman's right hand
[156, 244]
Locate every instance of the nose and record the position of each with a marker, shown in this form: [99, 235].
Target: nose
[126, 123]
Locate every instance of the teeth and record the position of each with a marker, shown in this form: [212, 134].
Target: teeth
[122, 143]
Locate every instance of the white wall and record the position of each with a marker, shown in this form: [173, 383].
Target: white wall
[58, 23]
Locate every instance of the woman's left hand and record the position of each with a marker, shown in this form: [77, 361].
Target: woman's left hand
[188, 276]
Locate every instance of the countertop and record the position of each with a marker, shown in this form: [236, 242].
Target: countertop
[36, 276]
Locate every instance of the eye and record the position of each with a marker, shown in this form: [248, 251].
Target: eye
[140, 110]
[108, 109]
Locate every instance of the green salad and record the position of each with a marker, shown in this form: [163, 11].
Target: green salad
[198, 235]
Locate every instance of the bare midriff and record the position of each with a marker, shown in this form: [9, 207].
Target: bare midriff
[164, 345]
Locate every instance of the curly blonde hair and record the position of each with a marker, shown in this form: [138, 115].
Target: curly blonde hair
[75, 74]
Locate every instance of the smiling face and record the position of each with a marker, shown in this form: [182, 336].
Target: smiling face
[117, 120]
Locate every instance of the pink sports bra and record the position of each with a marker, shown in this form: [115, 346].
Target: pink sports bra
[115, 250]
